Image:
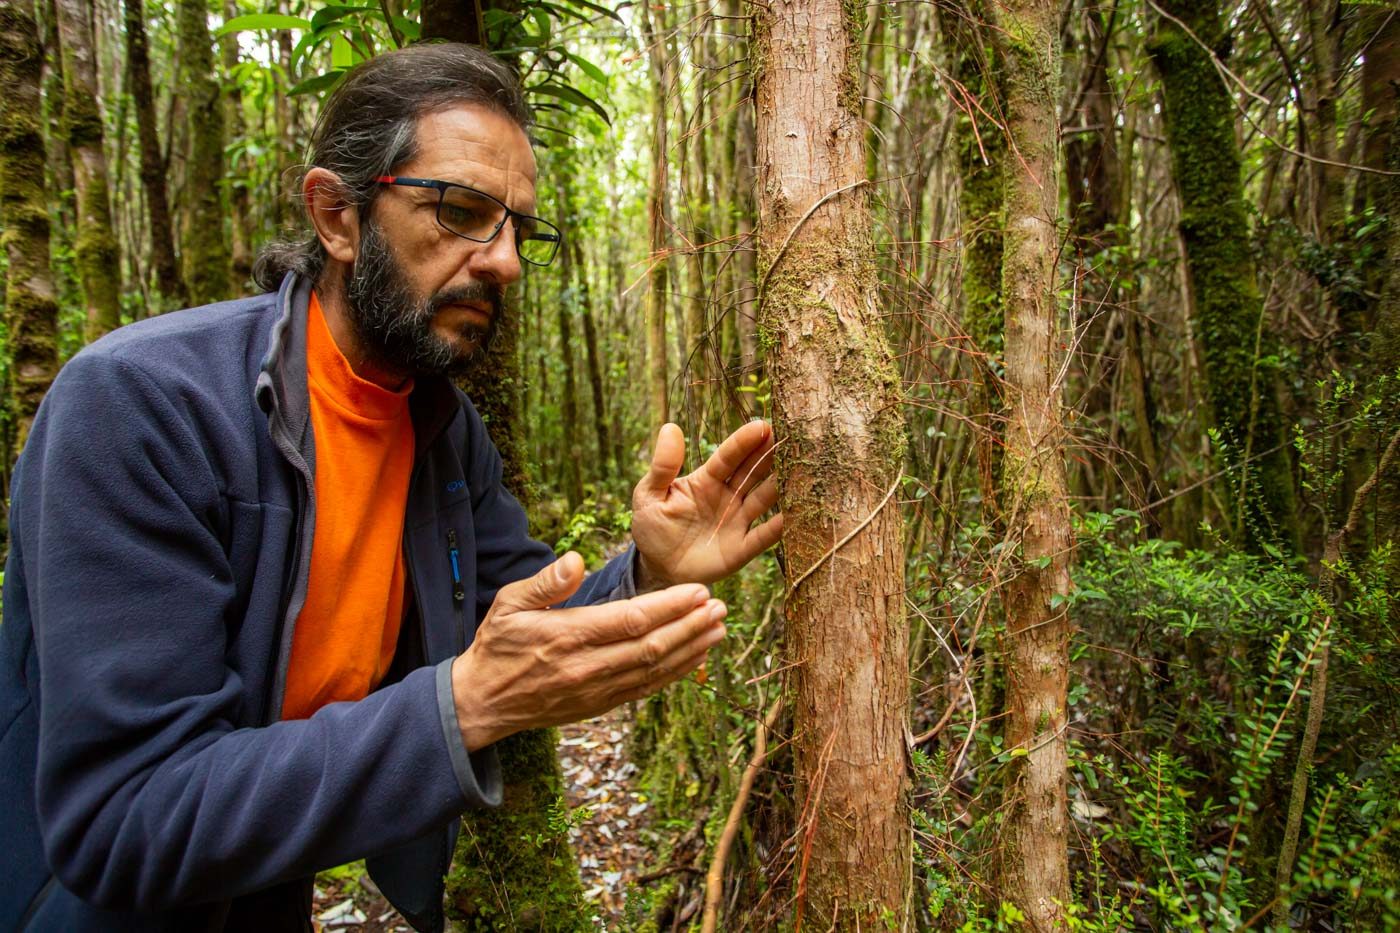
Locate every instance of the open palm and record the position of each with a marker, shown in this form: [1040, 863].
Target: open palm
[700, 527]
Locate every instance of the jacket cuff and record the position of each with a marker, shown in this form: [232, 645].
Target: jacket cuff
[627, 578]
[479, 772]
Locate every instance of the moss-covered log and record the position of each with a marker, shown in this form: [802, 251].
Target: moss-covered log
[97, 253]
[204, 251]
[840, 443]
[1235, 342]
[30, 309]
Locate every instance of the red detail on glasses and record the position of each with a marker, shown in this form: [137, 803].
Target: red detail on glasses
[388, 179]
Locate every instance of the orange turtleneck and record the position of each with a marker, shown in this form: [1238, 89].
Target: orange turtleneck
[349, 626]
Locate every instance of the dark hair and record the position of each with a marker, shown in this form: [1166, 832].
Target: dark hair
[368, 126]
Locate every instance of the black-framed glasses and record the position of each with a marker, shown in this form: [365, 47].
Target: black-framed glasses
[475, 215]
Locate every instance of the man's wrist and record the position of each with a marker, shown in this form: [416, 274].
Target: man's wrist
[476, 729]
[645, 576]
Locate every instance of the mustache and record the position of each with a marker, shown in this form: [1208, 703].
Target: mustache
[488, 292]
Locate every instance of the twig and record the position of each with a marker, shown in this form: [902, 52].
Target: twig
[792, 588]
[714, 879]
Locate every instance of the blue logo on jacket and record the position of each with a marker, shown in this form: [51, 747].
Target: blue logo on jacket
[456, 484]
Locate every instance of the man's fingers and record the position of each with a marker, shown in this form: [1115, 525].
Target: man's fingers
[725, 463]
[630, 619]
[757, 467]
[763, 537]
[667, 459]
[665, 651]
[643, 684]
[759, 501]
[549, 587]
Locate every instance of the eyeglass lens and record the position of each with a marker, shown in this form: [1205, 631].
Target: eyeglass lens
[477, 216]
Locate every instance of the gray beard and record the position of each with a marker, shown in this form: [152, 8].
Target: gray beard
[395, 327]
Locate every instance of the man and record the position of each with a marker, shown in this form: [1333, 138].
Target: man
[268, 606]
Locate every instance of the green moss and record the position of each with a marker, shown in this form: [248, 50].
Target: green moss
[1200, 124]
[513, 868]
[97, 258]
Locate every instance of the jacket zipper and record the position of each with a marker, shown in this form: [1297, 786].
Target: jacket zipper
[459, 593]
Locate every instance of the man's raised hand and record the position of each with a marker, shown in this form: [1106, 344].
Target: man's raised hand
[701, 527]
[533, 666]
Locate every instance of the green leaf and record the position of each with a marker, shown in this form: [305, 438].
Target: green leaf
[255, 21]
[588, 68]
[334, 13]
[573, 96]
[319, 83]
[409, 29]
[342, 53]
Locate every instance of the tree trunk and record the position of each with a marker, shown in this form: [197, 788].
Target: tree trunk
[841, 444]
[1226, 307]
[31, 312]
[1385, 361]
[454, 20]
[981, 146]
[1034, 851]
[241, 235]
[168, 280]
[594, 359]
[97, 254]
[659, 408]
[203, 247]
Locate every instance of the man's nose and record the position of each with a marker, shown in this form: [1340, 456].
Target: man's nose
[497, 261]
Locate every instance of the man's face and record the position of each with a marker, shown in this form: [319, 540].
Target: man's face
[421, 299]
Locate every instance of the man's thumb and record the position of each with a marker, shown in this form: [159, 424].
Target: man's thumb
[550, 586]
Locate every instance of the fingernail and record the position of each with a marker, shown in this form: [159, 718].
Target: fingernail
[718, 611]
[701, 594]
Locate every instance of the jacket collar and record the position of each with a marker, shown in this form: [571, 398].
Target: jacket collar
[281, 389]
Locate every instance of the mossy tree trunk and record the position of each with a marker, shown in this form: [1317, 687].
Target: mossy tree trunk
[1227, 308]
[98, 257]
[514, 868]
[169, 282]
[1033, 857]
[31, 313]
[840, 437]
[981, 144]
[203, 245]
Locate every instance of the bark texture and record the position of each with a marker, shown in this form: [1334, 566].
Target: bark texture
[31, 313]
[168, 280]
[1035, 508]
[840, 447]
[98, 258]
[1227, 308]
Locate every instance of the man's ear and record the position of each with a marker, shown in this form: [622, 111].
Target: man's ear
[337, 223]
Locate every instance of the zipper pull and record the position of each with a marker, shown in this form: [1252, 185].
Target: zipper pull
[459, 592]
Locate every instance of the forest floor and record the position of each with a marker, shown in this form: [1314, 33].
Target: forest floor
[611, 837]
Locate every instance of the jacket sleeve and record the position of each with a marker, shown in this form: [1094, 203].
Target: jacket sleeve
[148, 796]
[505, 550]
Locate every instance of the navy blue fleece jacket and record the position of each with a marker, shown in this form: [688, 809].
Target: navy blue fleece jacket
[160, 541]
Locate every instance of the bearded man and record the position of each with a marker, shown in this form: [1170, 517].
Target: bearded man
[267, 604]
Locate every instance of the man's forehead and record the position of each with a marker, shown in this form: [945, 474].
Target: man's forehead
[476, 146]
